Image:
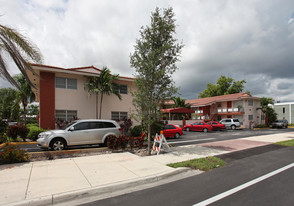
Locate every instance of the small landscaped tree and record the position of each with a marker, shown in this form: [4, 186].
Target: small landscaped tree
[154, 59]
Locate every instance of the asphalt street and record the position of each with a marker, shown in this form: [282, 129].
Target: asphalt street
[276, 189]
[192, 138]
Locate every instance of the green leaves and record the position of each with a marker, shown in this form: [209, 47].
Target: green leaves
[20, 50]
[224, 85]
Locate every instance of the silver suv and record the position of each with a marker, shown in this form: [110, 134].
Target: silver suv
[80, 132]
[232, 123]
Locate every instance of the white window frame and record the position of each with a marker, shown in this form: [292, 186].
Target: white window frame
[66, 84]
[121, 115]
[66, 114]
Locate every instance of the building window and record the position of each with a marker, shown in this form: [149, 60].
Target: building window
[219, 104]
[250, 102]
[284, 110]
[250, 117]
[66, 115]
[122, 88]
[119, 115]
[66, 83]
[262, 117]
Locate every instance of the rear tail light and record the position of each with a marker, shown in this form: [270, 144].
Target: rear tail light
[120, 129]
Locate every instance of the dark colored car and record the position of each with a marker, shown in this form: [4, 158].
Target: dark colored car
[171, 130]
[280, 124]
[198, 126]
[216, 125]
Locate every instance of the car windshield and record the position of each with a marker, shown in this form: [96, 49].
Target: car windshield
[69, 125]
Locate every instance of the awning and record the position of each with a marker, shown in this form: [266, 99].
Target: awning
[180, 110]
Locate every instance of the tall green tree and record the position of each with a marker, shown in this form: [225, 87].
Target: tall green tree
[104, 84]
[154, 59]
[25, 94]
[107, 86]
[267, 109]
[20, 50]
[224, 85]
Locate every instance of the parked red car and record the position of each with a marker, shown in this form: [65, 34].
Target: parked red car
[198, 126]
[216, 125]
[171, 130]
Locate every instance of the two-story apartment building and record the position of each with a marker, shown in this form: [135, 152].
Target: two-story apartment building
[241, 105]
[62, 94]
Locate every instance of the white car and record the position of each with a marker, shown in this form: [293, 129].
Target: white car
[232, 123]
[80, 132]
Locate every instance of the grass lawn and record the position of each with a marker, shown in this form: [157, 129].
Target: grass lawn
[289, 143]
[204, 164]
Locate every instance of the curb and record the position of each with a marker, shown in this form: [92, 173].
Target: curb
[98, 190]
[3, 145]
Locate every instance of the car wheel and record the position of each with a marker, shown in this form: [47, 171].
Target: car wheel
[218, 129]
[233, 127]
[177, 135]
[105, 142]
[57, 144]
[205, 130]
[188, 129]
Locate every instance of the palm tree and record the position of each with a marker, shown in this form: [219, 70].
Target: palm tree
[179, 102]
[104, 84]
[92, 85]
[20, 50]
[107, 85]
[25, 94]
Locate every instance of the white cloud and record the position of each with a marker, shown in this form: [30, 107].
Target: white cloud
[244, 39]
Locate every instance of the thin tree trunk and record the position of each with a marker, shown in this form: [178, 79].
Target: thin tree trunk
[25, 112]
[149, 138]
[101, 105]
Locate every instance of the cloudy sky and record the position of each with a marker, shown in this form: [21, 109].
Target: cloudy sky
[251, 40]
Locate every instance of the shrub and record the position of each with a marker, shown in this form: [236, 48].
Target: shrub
[122, 141]
[34, 132]
[126, 126]
[136, 131]
[13, 154]
[23, 132]
[13, 131]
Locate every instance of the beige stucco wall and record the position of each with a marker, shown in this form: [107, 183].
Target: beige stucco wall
[70, 99]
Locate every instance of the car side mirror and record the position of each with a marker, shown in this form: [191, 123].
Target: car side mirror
[71, 129]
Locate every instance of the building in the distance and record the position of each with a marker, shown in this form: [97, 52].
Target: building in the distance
[241, 105]
[62, 94]
[285, 111]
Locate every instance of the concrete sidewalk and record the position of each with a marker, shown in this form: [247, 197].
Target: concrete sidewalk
[54, 181]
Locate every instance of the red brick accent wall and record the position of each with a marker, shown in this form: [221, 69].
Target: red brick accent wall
[47, 100]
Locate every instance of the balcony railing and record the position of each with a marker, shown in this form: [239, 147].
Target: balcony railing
[229, 110]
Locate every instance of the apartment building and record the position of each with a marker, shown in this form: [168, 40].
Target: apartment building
[241, 105]
[62, 94]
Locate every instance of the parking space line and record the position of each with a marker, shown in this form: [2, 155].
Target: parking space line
[243, 186]
[197, 140]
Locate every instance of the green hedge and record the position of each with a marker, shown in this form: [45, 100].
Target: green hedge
[34, 132]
